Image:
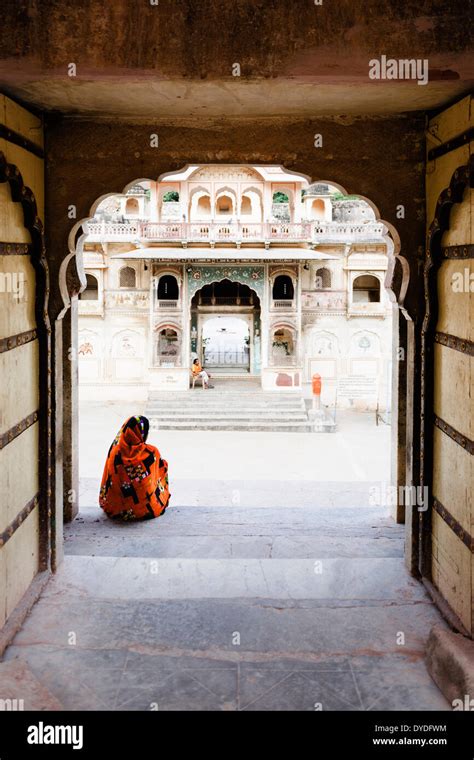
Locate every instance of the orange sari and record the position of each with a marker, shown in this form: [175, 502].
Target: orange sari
[135, 480]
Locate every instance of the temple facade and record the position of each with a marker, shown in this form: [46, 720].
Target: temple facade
[252, 269]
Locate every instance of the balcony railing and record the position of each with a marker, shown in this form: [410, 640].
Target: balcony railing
[225, 300]
[215, 232]
[340, 232]
[165, 304]
[233, 232]
[114, 231]
[283, 304]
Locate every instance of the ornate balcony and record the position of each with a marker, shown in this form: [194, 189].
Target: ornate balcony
[233, 232]
[168, 305]
[113, 232]
[340, 232]
[283, 304]
[198, 232]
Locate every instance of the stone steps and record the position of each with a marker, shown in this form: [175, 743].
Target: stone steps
[223, 404]
[275, 426]
[228, 410]
[238, 416]
[199, 396]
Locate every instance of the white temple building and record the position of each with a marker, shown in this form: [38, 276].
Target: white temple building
[251, 268]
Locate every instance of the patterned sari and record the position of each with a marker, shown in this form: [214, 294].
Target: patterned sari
[135, 480]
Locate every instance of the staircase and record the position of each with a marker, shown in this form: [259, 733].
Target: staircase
[216, 409]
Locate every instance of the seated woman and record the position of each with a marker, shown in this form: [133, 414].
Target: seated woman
[135, 481]
[198, 371]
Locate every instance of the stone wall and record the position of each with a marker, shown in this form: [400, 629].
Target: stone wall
[24, 540]
[449, 381]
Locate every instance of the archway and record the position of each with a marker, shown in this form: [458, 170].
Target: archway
[91, 292]
[226, 343]
[199, 277]
[318, 209]
[132, 207]
[168, 288]
[225, 323]
[366, 289]
[282, 331]
[283, 288]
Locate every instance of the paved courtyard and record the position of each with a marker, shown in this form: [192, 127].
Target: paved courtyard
[270, 584]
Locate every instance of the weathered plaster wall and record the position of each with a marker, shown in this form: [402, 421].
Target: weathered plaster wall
[283, 49]
[452, 562]
[19, 370]
[173, 38]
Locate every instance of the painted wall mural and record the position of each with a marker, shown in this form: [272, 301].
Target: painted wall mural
[320, 300]
[365, 343]
[252, 275]
[127, 344]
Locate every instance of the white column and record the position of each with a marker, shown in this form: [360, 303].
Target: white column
[184, 201]
[298, 206]
[154, 211]
[267, 202]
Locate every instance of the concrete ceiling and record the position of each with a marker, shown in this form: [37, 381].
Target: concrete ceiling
[174, 60]
[148, 99]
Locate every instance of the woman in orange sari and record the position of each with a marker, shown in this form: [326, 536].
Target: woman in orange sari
[135, 480]
[198, 371]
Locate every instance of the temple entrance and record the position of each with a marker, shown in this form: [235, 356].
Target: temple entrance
[226, 344]
[225, 328]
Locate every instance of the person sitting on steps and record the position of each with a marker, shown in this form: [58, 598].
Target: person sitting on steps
[198, 371]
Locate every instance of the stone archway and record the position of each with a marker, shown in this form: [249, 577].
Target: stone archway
[226, 342]
[397, 281]
[221, 299]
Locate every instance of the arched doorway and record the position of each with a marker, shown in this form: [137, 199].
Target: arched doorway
[226, 343]
[225, 328]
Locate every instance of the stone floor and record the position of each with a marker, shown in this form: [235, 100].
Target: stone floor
[358, 452]
[218, 608]
[273, 582]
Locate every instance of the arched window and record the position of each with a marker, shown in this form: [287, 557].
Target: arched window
[171, 196]
[168, 347]
[203, 207]
[251, 204]
[91, 293]
[132, 207]
[280, 197]
[283, 288]
[318, 209]
[246, 206]
[323, 278]
[224, 205]
[127, 278]
[168, 288]
[282, 352]
[366, 289]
